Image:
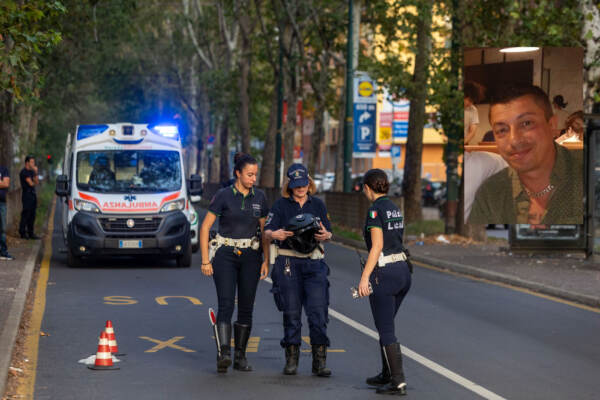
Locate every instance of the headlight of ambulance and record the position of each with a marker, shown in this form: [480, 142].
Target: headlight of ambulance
[192, 218]
[82, 205]
[173, 206]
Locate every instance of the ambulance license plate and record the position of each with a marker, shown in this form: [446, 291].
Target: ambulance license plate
[130, 244]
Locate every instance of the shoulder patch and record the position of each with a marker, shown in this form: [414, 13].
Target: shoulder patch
[372, 214]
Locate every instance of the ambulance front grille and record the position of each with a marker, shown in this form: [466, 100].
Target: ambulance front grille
[119, 225]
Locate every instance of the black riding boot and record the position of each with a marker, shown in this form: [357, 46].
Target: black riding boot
[319, 353]
[241, 333]
[292, 352]
[224, 360]
[384, 376]
[397, 383]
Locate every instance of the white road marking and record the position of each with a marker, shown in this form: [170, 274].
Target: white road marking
[432, 365]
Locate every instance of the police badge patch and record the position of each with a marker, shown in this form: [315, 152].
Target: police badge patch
[373, 214]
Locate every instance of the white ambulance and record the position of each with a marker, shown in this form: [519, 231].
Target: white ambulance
[125, 193]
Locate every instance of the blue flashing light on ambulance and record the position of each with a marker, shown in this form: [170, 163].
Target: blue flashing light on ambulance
[125, 193]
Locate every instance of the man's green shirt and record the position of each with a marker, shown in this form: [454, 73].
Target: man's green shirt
[501, 199]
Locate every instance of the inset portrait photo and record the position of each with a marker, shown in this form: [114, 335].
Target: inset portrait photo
[523, 160]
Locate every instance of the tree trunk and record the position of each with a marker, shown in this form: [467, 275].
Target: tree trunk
[316, 139]
[267, 170]
[224, 150]
[411, 186]
[6, 138]
[591, 68]
[289, 129]
[244, 82]
[454, 131]
[339, 150]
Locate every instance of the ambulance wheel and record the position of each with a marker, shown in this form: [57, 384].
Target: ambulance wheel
[185, 260]
[195, 248]
[72, 260]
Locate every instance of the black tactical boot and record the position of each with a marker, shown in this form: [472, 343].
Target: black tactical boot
[224, 360]
[397, 385]
[384, 376]
[241, 333]
[292, 352]
[319, 353]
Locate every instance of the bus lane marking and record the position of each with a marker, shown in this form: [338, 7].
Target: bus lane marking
[119, 300]
[162, 300]
[432, 365]
[306, 339]
[161, 344]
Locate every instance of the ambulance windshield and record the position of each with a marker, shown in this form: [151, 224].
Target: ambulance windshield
[128, 171]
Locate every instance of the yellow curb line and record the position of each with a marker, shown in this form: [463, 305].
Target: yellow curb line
[26, 385]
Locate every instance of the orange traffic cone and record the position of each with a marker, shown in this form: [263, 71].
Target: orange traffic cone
[112, 340]
[103, 356]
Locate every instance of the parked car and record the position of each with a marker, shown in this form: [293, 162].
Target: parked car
[431, 192]
[328, 181]
[318, 179]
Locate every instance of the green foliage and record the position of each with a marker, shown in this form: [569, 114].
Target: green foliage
[26, 33]
[501, 23]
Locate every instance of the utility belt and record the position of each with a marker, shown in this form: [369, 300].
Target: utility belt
[218, 241]
[275, 251]
[391, 258]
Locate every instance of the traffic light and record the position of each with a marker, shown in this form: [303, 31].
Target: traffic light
[49, 158]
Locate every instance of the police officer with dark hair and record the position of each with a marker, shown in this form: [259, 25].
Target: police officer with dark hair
[233, 257]
[387, 274]
[297, 223]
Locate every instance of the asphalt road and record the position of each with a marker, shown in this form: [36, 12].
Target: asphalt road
[463, 338]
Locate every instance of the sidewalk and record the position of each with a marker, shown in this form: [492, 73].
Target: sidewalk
[15, 280]
[562, 276]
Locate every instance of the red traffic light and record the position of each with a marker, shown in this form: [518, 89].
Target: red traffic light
[49, 158]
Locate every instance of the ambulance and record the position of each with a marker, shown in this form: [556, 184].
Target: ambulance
[125, 193]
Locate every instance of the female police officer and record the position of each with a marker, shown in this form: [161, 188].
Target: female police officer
[300, 279]
[235, 255]
[387, 273]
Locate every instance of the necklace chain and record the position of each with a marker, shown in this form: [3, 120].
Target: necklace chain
[544, 191]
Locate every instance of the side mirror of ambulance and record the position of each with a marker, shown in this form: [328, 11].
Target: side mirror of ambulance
[195, 186]
[62, 186]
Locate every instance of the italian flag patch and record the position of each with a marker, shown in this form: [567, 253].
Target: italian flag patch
[373, 214]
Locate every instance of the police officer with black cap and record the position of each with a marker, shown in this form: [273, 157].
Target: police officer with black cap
[298, 223]
[233, 257]
[387, 275]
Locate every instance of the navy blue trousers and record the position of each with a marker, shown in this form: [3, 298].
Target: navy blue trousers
[230, 272]
[306, 286]
[394, 282]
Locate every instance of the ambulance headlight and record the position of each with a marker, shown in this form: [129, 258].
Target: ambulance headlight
[173, 206]
[193, 218]
[82, 205]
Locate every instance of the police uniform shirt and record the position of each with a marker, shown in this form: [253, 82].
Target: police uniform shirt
[385, 215]
[238, 214]
[286, 207]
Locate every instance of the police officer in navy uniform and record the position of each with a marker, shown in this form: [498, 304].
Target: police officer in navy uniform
[234, 258]
[387, 273]
[300, 280]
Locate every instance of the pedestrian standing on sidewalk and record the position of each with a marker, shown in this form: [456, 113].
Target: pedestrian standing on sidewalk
[299, 272]
[29, 179]
[4, 185]
[387, 275]
[233, 258]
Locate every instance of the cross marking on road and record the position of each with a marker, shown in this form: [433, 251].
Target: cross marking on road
[161, 344]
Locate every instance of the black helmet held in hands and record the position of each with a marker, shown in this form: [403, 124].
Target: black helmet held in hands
[304, 227]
